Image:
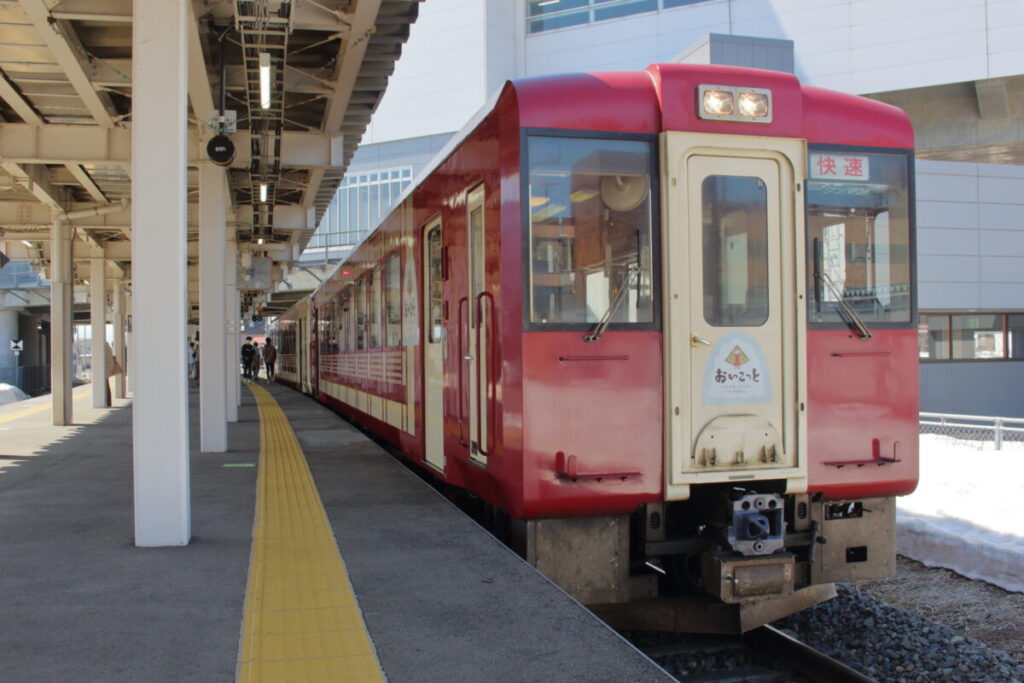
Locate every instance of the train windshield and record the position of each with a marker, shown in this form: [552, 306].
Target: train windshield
[858, 242]
[590, 231]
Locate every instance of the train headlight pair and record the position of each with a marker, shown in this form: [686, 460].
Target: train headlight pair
[727, 103]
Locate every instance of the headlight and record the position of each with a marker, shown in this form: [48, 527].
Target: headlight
[731, 103]
[719, 102]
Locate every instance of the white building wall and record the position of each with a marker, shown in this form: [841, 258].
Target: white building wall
[970, 249]
[441, 79]
[858, 46]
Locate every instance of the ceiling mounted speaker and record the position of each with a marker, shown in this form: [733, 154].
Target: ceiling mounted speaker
[624, 192]
[221, 150]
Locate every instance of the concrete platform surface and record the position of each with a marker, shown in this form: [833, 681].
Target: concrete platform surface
[441, 598]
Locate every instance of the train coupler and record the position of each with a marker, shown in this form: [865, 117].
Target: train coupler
[734, 578]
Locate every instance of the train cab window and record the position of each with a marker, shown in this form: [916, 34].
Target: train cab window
[735, 258]
[361, 314]
[590, 232]
[858, 242]
[393, 299]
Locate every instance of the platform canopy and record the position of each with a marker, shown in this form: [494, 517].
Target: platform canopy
[66, 102]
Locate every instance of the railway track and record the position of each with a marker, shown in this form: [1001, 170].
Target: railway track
[764, 655]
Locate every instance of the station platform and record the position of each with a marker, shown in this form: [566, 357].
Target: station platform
[419, 591]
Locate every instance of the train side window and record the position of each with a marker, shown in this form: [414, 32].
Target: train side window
[393, 299]
[735, 243]
[436, 302]
[590, 228]
[361, 314]
[374, 308]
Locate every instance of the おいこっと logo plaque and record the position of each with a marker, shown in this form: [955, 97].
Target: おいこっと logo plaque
[737, 372]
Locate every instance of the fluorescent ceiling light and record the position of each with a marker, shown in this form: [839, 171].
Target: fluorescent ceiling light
[26, 243]
[263, 192]
[265, 80]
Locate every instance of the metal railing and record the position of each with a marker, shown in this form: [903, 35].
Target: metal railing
[977, 428]
[32, 379]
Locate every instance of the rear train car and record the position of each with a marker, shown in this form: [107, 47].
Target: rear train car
[661, 323]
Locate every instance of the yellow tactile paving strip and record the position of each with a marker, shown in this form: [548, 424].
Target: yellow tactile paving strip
[302, 622]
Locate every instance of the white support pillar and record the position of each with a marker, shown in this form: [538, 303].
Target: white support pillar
[98, 318]
[159, 275]
[118, 320]
[61, 337]
[232, 378]
[213, 384]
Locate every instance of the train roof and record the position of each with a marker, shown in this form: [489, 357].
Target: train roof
[663, 97]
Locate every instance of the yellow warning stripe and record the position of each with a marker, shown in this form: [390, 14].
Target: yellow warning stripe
[302, 622]
[39, 408]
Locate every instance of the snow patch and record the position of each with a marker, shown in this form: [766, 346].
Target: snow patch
[11, 394]
[965, 513]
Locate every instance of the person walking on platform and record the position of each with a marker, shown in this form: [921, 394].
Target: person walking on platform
[256, 360]
[247, 353]
[191, 360]
[113, 368]
[269, 358]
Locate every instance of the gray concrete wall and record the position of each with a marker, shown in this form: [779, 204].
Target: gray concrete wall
[970, 249]
[970, 256]
[993, 388]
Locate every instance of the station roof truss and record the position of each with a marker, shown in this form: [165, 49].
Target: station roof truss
[65, 114]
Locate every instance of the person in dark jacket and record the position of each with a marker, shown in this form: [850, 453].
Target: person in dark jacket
[269, 358]
[247, 355]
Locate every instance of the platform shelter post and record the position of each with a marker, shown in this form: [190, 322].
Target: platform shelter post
[213, 381]
[159, 275]
[98, 320]
[61, 298]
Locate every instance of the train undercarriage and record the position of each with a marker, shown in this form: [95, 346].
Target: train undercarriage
[725, 561]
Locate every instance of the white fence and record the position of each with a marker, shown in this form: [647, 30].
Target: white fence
[974, 427]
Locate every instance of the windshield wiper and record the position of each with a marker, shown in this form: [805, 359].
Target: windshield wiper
[851, 315]
[602, 324]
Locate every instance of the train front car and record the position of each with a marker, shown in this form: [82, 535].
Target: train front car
[719, 372]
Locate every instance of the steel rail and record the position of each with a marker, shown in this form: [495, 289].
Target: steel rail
[810, 662]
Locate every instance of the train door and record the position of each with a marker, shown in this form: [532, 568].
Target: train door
[300, 353]
[433, 346]
[734, 344]
[475, 313]
[314, 349]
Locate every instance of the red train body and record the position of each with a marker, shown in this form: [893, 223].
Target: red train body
[664, 315]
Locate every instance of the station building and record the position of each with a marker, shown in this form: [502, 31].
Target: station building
[956, 67]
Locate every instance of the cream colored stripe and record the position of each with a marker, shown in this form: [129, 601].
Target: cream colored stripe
[39, 409]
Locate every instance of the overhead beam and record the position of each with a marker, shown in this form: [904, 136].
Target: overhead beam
[66, 144]
[59, 36]
[18, 103]
[83, 177]
[350, 61]
[199, 93]
[36, 179]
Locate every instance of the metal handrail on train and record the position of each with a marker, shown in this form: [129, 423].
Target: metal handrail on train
[998, 425]
[465, 356]
[491, 353]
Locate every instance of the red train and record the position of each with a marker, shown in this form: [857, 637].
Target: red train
[661, 323]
